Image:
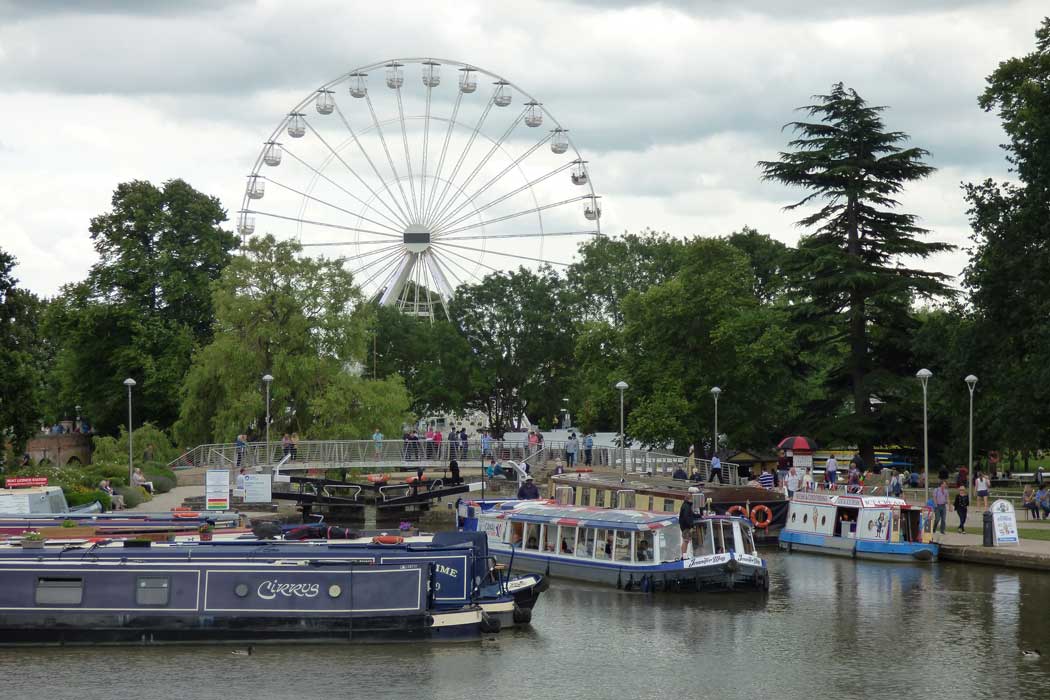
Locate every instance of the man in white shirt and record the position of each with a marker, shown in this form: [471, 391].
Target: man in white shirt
[792, 481]
[830, 472]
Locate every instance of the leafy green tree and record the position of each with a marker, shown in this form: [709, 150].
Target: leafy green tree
[1009, 273]
[20, 357]
[521, 332]
[768, 258]
[610, 268]
[301, 320]
[145, 305]
[851, 270]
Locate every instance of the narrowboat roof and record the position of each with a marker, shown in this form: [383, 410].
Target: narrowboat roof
[849, 500]
[583, 516]
[667, 487]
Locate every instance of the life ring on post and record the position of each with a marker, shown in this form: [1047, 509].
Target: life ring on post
[764, 522]
[737, 510]
[378, 478]
[387, 539]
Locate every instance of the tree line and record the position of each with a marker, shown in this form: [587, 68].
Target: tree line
[823, 338]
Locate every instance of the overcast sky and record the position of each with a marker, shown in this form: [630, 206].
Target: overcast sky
[672, 103]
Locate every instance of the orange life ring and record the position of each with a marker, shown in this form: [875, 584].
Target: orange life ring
[414, 479]
[737, 510]
[764, 523]
[378, 478]
[387, 539]
[184, 514]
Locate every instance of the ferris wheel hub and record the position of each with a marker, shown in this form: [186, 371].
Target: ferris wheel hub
[417, 238]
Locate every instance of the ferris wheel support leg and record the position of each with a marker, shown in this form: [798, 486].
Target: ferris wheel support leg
[393, 290]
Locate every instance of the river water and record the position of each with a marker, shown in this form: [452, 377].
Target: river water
[829, 628]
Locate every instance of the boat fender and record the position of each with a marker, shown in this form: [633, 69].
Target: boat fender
[387, 539]
[522, 616]
[490, 624]
[645, 586]
[737, 510]
[764, 522]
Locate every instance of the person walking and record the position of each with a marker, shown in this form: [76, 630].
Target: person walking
[940, 505]
[716, 469]
[982, 487]
[571, 448]
[588, 449]
[295, 446]
[962, 503]
[831, 477]
[377, 441]
[241, 447]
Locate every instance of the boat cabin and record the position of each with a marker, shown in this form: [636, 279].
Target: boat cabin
[878, 518]
[623, 536]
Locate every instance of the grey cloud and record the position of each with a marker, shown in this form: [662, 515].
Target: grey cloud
[799, 11]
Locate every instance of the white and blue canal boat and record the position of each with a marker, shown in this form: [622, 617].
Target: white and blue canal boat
[862, 527]
[631, 549]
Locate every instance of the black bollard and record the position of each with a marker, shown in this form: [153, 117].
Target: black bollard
[989, 534]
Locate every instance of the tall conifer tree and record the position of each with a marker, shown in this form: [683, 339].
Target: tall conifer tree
[853, 281]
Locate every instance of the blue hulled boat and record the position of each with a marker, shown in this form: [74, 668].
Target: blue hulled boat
[863, 527]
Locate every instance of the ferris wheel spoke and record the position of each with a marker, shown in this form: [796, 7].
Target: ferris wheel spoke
[377, 251]
[449, 261]
[426, 149]
[508, 255]
[336, 244]
[319, 223]
[528, 234]
[438, 275]
[463, 154]
[481, 164]
[371, 163]
[507, 217]
[396, 224]
[444, 150]
[385, 272]
[446, 270]
[349, 169]
[386, 150]
[470, 260]
[528, 185]
[408, 154]
[378, 261]
[396, 233]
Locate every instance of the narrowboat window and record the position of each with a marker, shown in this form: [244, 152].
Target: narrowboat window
[749, 542]
[604, 545]
[59, 591]
[585, 497]
[706, 544]
[670, 541]
[568, 540]
[720, 544]
[805, 517]
[668, 505]
[517, 534]
[643, 546]
[793, 516]
[585, 545]
[622, 551]
[532, 536]
[599, 498]
[550, 538]
[152, 590]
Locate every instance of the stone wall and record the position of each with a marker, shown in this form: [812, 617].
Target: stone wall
[60, 449]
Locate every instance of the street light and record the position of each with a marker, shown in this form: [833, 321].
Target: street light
[77, 426]
[266, 380]
[971, 382]
[715, 391]
[924, 376]
[129, 383]
[622, 386]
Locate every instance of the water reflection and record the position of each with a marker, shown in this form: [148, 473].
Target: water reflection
[829, 628]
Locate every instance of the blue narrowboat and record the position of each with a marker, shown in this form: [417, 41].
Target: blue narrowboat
[631, 549]
[862, 527]
[257, 590]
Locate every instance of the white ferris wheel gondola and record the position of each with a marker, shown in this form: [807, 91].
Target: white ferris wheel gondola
[426, 183]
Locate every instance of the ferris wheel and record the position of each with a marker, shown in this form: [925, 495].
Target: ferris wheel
[424, 174]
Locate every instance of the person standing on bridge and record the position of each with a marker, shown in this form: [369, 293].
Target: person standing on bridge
[486, 446]
[716, 469]
[588, 449]
[572, 446]
[377, 440]
[463, 442]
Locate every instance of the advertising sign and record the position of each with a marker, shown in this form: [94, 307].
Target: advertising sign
[257, 488]
[1004, 523]
[18, 482]
[802, 461]
[217, 490]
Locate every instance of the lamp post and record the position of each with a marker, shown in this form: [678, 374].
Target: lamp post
[77, 426]
[924, 377]
[715, 391]
[971, 382]
[129, 383]
[266, 380]
[622, 386]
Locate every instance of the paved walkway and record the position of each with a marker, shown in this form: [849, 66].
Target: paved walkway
[164, 502]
